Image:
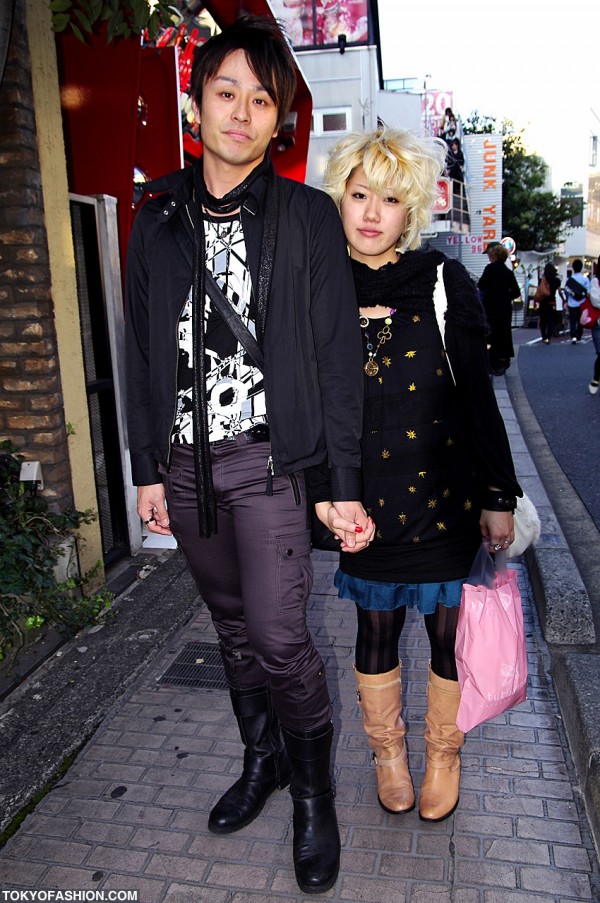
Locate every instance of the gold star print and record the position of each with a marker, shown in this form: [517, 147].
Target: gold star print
[416, 539]
[412, 388]
[381, 503]
[378, 534]
[410, 354]
[422, 474]
[402, 518]
[432, 503]
[446, 493]
[441, 526]
[411, 434]
[468, 505]
[412, 488]
[416, 318]
[385, 454]
[380, 380]
[450, 441]
[387, 361]
[439, 372]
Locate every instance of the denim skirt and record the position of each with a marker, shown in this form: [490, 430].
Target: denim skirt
[373, 595]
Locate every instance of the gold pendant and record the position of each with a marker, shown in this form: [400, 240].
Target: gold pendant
[371, 368]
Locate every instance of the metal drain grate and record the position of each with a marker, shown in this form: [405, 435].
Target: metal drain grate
[198, 665]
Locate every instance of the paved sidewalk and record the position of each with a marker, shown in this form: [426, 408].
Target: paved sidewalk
[131, 811]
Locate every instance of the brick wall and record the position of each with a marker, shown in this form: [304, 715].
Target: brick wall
[31, 406]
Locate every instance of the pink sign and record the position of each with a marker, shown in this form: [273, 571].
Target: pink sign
[311, 23]
[433, 105]
[443, 198]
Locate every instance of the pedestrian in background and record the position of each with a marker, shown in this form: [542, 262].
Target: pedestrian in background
[595, 300]
[449, 125]
[577, 287]
[437, 468]
[545, 298]
[223, 438]
[499, 289]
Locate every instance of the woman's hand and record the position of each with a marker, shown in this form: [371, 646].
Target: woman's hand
[349, 523]
[152, 509]
[497, 529]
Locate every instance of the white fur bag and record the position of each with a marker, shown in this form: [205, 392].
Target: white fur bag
[527, 527]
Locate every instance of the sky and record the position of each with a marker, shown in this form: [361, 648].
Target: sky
[536, 62]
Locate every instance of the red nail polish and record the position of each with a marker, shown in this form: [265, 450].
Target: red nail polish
[358, 529]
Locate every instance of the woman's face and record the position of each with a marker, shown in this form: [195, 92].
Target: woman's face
[373, 223]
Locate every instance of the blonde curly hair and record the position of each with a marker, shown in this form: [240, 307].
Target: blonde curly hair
[393, 160]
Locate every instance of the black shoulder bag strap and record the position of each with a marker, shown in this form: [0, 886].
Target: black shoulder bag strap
[220, 301]
[240, 331]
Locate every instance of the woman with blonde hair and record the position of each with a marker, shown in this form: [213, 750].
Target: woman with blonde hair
[437, 467]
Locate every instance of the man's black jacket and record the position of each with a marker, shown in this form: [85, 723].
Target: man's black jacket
[312, 345]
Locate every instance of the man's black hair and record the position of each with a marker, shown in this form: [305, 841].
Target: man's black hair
[267, 53]
[577, 265]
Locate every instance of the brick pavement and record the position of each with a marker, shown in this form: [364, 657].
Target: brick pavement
[131, 812]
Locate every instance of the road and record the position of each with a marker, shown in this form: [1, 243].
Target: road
[555, 378]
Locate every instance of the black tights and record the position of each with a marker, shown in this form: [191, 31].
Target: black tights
[379, 632]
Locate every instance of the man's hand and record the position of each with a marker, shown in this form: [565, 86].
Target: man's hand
[152, 508]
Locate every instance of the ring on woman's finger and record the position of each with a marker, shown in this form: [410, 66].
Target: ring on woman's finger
[149, 521]
[497, 547]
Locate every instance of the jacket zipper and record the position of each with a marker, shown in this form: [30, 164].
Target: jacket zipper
[174, 417]
[269, 489]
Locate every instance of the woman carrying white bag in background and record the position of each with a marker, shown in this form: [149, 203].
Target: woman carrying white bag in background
[595, 300]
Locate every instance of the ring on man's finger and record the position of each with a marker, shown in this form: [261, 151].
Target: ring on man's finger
[497, 547]
[149, 521]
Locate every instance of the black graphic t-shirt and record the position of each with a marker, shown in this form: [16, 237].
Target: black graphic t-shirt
[234, 386]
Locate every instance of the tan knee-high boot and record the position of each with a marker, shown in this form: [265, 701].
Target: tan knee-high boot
[441, 784]
[380, 698]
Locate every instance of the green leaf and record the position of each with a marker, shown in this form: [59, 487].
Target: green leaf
[60, 22]
[153, 27]
[84, 21]
[77, 33]
[60, 6]
[111, 28]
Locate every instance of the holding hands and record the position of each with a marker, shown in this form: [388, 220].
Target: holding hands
[349, 522]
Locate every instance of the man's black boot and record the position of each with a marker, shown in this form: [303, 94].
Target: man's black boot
[316, 834]
[266, 765]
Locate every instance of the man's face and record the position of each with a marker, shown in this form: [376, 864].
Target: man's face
[237, 117]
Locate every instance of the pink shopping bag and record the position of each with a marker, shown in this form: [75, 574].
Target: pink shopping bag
[490, 646]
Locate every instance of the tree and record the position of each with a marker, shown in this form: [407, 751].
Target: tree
[123, 17]
[536, 218]
[477, 123]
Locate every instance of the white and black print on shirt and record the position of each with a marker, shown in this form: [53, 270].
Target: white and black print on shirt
[234, 386]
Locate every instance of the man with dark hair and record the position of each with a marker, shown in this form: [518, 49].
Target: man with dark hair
[577, 287]
[223, 421]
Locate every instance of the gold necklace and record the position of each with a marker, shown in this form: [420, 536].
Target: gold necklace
[371, 368]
